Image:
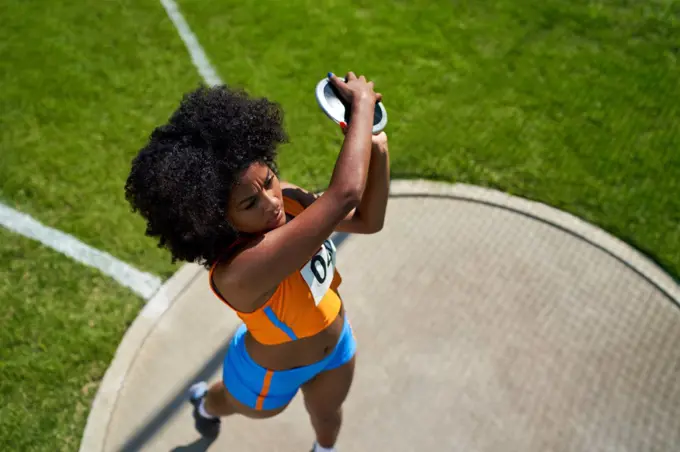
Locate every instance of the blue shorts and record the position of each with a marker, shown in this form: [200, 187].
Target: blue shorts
[263, 389]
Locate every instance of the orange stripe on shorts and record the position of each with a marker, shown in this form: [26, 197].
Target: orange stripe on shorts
[265, 389]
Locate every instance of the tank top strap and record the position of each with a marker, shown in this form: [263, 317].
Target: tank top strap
[292, 207]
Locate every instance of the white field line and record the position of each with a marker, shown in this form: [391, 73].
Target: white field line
[144, 284]
[198, 56]
[139, 282]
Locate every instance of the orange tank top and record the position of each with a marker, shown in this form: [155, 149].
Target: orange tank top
[304, 303]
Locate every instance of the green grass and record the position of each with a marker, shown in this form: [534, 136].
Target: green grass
[575, 104]
[61, 324]
[83, 86]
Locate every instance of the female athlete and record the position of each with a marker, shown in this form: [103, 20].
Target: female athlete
[207, 185]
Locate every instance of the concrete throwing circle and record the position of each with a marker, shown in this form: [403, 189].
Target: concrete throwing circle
[493, 331]
[484, 323]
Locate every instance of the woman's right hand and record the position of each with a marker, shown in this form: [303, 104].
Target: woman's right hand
[355, 89]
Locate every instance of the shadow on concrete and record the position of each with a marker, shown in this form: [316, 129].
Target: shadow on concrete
[200, 445]
[145, 433]
[339, 237]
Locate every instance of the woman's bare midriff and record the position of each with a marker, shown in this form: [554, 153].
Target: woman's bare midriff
[299, 353]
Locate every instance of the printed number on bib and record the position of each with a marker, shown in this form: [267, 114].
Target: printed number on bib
[318, 272]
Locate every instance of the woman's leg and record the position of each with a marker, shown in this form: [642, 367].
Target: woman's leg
[212, 403]
[215, 401]
[324, 396]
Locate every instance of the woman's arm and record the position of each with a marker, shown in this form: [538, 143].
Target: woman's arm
[373, 205]
[261, 266]
[369, 216]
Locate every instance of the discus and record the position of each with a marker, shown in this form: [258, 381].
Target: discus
[335, 108]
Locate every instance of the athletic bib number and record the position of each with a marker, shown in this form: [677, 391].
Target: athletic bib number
[318, 272]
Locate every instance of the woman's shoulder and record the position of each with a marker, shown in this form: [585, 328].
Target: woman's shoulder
[225, 283]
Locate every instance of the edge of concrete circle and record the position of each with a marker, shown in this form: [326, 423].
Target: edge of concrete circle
[105, 400]
[567, 222]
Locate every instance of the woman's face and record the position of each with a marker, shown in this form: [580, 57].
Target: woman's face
[256, 202]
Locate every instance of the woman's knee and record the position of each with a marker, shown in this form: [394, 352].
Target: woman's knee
[217, 401]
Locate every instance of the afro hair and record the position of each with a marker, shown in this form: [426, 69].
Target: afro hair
[181, 179]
